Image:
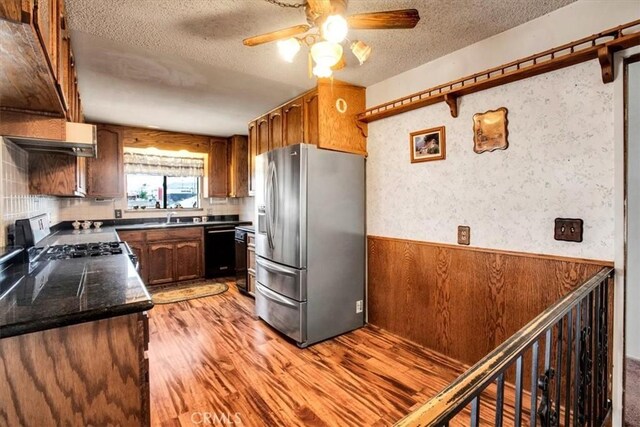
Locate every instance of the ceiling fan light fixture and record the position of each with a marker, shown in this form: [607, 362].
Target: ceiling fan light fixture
[335, 28]
[326, 54]
[288, 48]
[322, 72]
[361, 50]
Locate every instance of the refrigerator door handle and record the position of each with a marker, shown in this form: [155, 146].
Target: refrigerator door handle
[268, 293]
[271, 266]
[272, 203]
[268, 205]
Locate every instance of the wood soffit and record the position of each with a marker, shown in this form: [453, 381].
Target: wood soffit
[601, 46]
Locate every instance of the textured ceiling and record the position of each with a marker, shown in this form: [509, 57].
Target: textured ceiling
[181, 65]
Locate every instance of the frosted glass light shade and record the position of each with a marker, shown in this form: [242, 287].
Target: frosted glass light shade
[326, 54]
[321, 72]
[361, 50]
[334, 28]
[288, 48]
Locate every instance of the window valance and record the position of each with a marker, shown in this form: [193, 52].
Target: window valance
[149, 164]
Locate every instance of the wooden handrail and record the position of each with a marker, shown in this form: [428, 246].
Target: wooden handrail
[568, 54]
[459, 393]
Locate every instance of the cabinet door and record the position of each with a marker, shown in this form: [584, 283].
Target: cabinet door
[161, 263]
[140, 251]
[311, 126]
[263, 134]
[105, 174]
[218, 168]
[275, 129]
[54, 174]
[292, 121]
[238, 174]
[188, 260]
[253, 152]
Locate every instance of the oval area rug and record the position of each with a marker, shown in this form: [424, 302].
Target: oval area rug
[187, 291]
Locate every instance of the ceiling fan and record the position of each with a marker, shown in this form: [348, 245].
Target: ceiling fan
[326, 29]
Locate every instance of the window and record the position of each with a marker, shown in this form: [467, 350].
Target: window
[162, 192]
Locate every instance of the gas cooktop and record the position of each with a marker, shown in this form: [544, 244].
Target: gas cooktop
[81, 250]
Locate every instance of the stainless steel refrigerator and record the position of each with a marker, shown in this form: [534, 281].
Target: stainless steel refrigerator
[310, 242]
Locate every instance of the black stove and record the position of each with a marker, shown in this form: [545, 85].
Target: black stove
[82, 250]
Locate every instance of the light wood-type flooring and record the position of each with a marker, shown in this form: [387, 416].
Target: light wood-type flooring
[210, 357]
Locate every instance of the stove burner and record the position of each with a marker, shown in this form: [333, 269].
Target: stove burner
[82, 250]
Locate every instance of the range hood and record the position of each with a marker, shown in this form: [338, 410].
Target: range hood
[80, 141]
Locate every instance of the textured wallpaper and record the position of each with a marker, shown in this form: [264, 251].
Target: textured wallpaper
[559, 164]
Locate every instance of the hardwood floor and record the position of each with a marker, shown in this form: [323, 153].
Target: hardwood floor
[210, 357]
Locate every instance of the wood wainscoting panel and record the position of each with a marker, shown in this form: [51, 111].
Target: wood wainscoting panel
[463, 302]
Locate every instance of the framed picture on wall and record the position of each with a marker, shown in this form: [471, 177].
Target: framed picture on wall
[427, 145]
[490, 131]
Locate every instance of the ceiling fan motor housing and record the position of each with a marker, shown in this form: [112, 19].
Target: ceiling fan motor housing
[318, 10]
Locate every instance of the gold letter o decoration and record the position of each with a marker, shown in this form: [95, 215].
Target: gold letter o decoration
[341, 105]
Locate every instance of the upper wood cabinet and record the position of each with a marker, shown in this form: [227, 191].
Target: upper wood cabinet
[57, 174]
[218, 168]
[310, 121]
[263, 134]
[238, 176]
[105, 173]
[275, 129]
[253, 152]
[38, 59]
[293, 122]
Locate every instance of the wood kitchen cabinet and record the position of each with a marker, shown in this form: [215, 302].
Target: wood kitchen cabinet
[237, 164]
[57, 175]
[218, 168]
[325, 116]
[38, 59]
[275, 129]
[252, 153]
[293, 122]
[105, 173]
[86, 374]
[262, 124]
[167, 255]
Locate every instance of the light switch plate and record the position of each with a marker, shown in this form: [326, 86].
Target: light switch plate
[568, 229]
[118, 213]
[464, 235]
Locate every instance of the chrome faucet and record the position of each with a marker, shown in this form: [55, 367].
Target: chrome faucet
[169, 215]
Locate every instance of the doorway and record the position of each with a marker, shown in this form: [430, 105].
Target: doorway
[632, 280]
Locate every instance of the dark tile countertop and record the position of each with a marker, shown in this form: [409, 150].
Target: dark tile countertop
[49, 294]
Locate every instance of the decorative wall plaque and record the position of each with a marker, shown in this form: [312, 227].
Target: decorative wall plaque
[490, 130]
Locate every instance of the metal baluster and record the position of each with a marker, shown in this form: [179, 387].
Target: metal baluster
[567, 402]
[599, 380]
[499, 399]
[475, 411]
[591, 363]
[545, 409]
[518, 409]
[557, 397]
[576, 371]
[605, 344]
[534, 383]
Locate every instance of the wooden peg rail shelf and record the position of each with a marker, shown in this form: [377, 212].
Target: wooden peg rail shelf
[602, 46]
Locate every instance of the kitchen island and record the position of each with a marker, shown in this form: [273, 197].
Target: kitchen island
[73, 339]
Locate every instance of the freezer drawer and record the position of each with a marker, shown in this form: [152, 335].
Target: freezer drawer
[285, 280]
[284, 314]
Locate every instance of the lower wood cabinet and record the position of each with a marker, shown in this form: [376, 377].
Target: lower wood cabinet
[167, 255]
[93, 373]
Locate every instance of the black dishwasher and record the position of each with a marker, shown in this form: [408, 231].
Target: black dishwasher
[219, 250]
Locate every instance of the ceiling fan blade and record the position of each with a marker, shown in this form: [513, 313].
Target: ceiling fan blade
[276, 35]
[319, 7]
[406, 18]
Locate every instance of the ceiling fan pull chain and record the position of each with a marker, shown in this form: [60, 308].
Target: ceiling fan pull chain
[282, 4]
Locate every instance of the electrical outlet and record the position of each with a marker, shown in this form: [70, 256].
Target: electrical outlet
[118, 213]
[568, 229]
[464, 235]
[359, 306]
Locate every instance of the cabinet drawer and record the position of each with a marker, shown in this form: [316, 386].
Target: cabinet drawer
[131, 236]
[251, 259]
[251, 240]
[175, 234]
